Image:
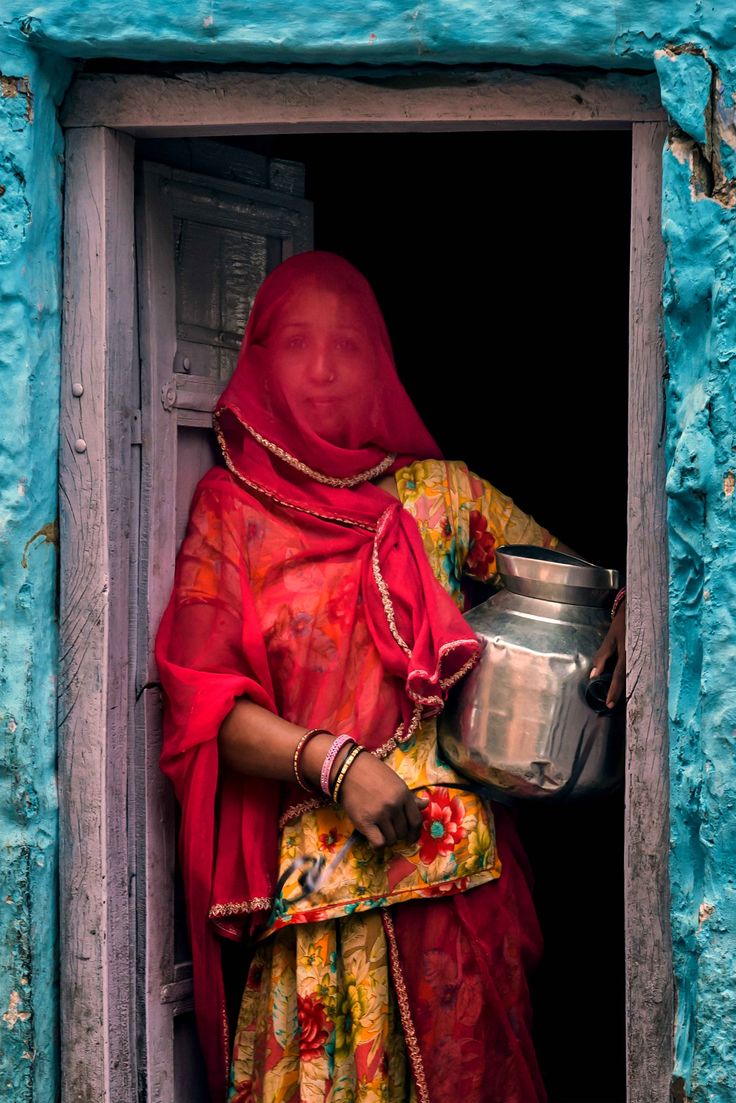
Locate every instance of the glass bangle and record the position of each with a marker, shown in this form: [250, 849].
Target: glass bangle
[344, 770]
[324, 777]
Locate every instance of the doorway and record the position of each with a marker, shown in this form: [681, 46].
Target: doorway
[506, 294]
[107, 116]
[506, 297]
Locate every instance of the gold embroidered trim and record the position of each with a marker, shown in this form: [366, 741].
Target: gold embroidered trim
[400, 736]
[225, 1040]
[388, 607]
[402, 998]
[241, 907]
[327, 480]
[448, 683]
[296, 810]
[274, 497]
[438, 702]
[445, 683]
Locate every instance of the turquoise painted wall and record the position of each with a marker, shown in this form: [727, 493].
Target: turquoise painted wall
[692, 44]
[30, 179]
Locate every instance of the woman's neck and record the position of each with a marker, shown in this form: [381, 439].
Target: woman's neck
[387, 483]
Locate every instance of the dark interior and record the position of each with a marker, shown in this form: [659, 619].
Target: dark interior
[501, 263]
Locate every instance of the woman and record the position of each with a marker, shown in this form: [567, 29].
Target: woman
[317, 612]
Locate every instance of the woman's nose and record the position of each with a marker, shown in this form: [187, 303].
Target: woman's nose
[322, 366]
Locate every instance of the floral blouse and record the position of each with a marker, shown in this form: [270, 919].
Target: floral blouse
[462, 519]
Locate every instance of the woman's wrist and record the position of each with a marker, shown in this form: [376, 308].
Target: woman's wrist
[337, 765]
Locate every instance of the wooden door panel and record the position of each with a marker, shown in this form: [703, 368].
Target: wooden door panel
[197, 452]
[204, 246]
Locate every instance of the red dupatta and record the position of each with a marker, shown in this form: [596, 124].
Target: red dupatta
[314, 412]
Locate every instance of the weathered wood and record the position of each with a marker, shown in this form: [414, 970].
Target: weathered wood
[649, 989]
[227, 162]
[155, 842]
[97, 1050]
[196, 287]
[225, 103]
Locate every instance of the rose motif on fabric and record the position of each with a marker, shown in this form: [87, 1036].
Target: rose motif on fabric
[243, 1092]
[314, 1027]
[442, 826]
[332, 836]
[482, 552]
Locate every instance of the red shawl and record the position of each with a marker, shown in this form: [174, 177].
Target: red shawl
[314, 412]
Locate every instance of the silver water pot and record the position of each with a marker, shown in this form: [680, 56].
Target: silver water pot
[524, 721]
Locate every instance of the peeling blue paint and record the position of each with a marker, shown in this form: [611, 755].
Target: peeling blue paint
[693, 47]
[685, 84]
[30, 213]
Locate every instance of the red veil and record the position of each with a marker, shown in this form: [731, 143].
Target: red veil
[210, 647]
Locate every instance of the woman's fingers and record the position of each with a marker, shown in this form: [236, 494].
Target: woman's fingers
[606, 650]
[386, 826]
[380, 805]
[618, 682]
[414, 818]
[373, 834]
[400, 823]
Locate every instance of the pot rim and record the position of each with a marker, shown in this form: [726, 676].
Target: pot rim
[547, 567]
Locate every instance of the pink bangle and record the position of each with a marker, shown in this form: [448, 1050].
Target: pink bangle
[324, 777]
[618, 599]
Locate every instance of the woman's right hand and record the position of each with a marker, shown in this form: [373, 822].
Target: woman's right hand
[380, 804]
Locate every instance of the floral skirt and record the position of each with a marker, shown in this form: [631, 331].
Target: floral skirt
[318, 1022]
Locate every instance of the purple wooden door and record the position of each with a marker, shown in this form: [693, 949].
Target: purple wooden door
[204, 243]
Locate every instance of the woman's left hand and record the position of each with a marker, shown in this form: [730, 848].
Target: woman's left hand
[613, 647]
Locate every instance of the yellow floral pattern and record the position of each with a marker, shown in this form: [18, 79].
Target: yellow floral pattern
[455, 851]
[318, 1022]
[463, 519]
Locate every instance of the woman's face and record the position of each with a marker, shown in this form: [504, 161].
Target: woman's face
[322, 358]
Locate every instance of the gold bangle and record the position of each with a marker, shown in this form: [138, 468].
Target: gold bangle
[299, 750]
[343, 771]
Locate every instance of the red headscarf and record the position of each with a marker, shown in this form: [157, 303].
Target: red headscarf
[314, 412]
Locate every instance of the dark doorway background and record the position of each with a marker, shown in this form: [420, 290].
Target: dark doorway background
[501, 262]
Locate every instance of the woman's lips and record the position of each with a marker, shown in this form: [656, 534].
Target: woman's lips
[324, 403]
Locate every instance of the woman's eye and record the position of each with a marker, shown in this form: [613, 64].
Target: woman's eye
[346, 344]
[296, 343]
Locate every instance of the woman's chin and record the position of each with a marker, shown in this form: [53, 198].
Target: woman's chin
[330, 430]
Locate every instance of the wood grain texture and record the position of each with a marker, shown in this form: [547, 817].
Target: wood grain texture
[203, 250]
[95, 506]
[155, 829]
[649, 987]
[242, 103]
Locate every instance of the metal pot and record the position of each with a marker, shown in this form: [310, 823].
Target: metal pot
[523, 722]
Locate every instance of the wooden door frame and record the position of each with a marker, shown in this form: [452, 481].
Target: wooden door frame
[100, 427]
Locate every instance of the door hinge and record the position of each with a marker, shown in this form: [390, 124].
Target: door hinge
[135, 428]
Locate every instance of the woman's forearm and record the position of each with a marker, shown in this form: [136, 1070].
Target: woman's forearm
[254, 741]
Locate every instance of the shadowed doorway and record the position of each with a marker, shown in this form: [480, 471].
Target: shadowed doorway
[501, 261]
